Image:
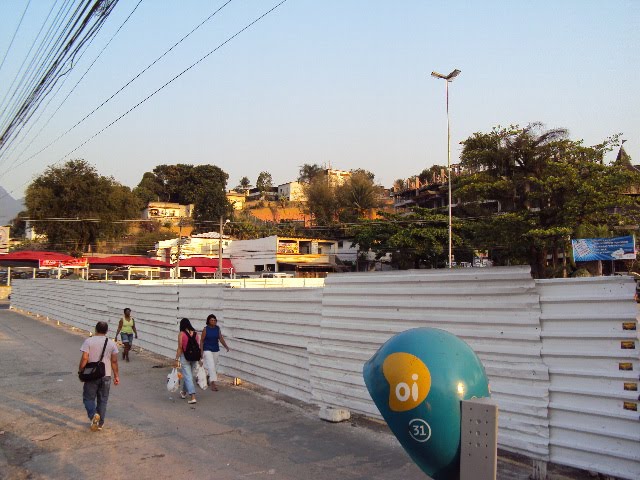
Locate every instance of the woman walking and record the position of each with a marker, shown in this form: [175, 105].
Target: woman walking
[126, 329]
[188, 355]
[209, 344]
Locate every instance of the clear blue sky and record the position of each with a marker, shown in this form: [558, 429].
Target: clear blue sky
[344, 83]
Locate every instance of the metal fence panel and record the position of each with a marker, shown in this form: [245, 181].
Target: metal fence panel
[496, 311]
[590, 342]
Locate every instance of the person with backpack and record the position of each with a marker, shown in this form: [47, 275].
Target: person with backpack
[188, 355]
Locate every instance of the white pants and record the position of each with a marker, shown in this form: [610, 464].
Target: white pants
[211, 364]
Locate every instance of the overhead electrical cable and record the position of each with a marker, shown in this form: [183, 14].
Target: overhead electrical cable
[39, 63]
[10, 143]
[14, 34]
[82, 120]
[18, 157]
[30, 74]
[200, 60]
[33, 44]
[80, 29]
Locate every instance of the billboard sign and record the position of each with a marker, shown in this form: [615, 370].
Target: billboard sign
[615, 248]
[74, 263]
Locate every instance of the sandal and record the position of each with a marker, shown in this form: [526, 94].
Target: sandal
[192, 401]
[183, 395]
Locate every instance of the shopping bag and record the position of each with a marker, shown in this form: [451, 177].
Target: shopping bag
[173, 380]
[201, 376]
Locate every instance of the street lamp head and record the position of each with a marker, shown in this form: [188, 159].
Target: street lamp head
[453, 74]
[448, 78]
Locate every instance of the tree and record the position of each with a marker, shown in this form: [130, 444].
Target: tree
[321, 202]
[264, 183]
[91, 205]
[399, 185]
[149, 189]
[433, 174]
[208, 193]
[549, 186]
[308, 171]
[357, 196]
[415, 240]
[201, 185]
[244, 184]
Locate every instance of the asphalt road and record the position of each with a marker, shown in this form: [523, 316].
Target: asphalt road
[235, 433]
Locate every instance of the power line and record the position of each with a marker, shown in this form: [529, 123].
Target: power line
[124, 86]
[65, 99]
[80, 28]
[14, 34]
[201, 59]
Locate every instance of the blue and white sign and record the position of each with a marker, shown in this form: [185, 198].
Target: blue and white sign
[616, 248]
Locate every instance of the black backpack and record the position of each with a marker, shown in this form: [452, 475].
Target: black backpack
[192, 352]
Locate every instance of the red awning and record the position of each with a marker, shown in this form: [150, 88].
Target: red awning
[127, 260]
[206, 262]
[40, 259]
[35, 256]
[206, 270]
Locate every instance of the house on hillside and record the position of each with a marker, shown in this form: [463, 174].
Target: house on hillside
[291, 191]
[236, 199]
[167, 211]
[303, 257]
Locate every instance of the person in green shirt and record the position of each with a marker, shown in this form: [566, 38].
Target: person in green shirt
[126, 329]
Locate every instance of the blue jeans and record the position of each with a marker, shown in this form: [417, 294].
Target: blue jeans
[96, 390]
[187, 375]
[127, 338]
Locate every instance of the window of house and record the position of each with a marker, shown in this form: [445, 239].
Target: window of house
[271, 267]
[258, 268]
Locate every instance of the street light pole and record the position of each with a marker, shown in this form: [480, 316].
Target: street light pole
[448, 79]
[222, 224]
[177, 272]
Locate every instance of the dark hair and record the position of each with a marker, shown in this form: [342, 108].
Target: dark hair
[102, 327]
[125, 310]
[185, 325]
[210, 317]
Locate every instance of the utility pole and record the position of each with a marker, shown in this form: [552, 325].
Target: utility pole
[220, 250]
[177, 274]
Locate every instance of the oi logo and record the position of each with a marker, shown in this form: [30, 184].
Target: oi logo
[409, 381]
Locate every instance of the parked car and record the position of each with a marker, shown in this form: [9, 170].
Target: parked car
[276, 275]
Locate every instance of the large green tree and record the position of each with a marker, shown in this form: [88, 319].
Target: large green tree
[308, 171]
[418, 239]
[321, 202]
[264, 183]
[357, 196]
[76, 207]
[329, 204]
[202, 185]
[544, 186]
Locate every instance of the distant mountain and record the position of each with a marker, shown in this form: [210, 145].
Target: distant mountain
[9, 207]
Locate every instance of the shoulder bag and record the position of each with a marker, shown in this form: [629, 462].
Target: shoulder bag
[94, 370]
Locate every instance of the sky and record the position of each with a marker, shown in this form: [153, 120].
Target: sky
[341, 83]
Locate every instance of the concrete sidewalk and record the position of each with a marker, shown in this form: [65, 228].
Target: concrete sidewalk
[235, 433]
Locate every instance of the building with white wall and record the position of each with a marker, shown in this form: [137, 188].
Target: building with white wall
[167, 211]
[301, 256]
[203, 244]
[291, 191]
